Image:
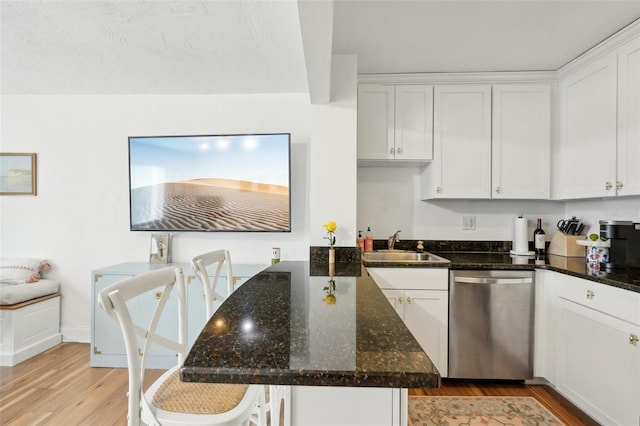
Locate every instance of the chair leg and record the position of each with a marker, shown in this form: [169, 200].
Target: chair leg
[279, 395]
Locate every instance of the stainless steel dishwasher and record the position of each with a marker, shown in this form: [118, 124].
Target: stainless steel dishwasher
[491, 324]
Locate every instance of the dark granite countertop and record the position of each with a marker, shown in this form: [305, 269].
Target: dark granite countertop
[628, 279]
[278, 328]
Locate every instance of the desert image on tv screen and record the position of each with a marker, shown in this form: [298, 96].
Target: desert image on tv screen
[210, 183]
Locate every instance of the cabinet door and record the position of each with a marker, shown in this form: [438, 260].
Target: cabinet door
[396, 298]
[108, 347]
[108, 343]
[376, 106]
[426, 316]
[521, 141]
[628, 179]
[414, 122]
[461, 165]
[598, 365]
[588, 131]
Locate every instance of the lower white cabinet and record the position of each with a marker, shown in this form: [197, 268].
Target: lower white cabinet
[597, 350]
[107, 343]
[421, 298]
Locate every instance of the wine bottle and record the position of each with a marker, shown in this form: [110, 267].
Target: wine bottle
[539, 238]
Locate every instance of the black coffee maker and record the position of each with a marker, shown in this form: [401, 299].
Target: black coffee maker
[625, 243]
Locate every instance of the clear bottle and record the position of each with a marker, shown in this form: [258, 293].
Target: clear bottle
[539, 238]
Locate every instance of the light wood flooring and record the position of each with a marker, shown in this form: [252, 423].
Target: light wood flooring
[58, 387]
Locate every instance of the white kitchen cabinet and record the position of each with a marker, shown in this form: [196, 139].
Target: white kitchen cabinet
[461, 166]
[421, 298]
[521, 141]
[596, 349]
[395, 123]
[600, 134]
[628, 172]
[107, 343]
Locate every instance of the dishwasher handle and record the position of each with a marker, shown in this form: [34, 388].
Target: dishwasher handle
[493, 280]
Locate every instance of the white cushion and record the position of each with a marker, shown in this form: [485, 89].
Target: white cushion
[10, 294]
[20, 271]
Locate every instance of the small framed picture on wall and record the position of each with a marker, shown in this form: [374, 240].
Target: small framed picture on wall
[159, 252]
[17, 173]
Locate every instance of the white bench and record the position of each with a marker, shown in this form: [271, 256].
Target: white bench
[29, 320]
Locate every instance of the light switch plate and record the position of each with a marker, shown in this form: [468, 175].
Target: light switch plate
[468, 223]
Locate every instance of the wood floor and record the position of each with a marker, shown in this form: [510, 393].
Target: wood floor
[59, 387]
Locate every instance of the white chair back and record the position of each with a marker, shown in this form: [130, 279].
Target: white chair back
[114, 300]
[204, 262]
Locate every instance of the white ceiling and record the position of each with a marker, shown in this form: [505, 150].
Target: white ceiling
[267, 46]
[467, 36]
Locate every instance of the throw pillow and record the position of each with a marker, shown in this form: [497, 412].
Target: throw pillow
[19, 271]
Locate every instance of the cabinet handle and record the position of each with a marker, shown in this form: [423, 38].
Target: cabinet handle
[409, 300]
[96, 351]
[497, 190]
[140, 352]
[438, 190]
[391, 150]
[158, 295]
[633, 339]
[190, 278]
[236, 279]
[608, 186]
[619, 185]
[400, 300]
[213, 298]
[399, 150]
[590, 294]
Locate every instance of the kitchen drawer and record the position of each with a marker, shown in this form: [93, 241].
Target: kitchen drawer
[613, 301]
[411, 278]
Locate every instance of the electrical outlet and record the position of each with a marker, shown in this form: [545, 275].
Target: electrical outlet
[468, 223]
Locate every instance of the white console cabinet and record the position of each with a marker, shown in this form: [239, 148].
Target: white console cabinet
[421, 298]
[107, 344]
[597, 350]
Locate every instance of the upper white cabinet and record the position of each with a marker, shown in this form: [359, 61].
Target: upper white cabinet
[395, 123]
[628, 172]
[461, 166]
[600, 126]
[588, 130]
[521, 141]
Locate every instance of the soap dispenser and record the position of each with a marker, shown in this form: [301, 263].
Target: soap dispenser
[368, 240]
[360, 241]
[420, 247]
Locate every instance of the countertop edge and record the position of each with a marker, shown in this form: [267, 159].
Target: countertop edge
[502, 266]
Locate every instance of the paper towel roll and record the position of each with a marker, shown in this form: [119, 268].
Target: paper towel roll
[520, 236]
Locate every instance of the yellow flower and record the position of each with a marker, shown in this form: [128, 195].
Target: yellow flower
[330, 226]
[330, 299]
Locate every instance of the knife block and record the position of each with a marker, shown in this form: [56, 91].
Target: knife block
[565, 245]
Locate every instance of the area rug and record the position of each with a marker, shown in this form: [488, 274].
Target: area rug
[478, 410]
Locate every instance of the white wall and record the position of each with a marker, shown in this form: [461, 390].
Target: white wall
[389, 199]
[334, 156]
[80, 217]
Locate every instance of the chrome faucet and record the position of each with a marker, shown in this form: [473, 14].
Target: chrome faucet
[394, 239]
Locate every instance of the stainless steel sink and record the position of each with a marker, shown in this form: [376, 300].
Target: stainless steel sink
[402, 256]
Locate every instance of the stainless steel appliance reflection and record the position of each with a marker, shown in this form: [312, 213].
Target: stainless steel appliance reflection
[491, 324]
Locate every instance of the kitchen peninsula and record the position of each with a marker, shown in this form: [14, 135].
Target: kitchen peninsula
[336, 339]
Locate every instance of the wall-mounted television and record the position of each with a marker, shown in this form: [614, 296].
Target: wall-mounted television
[210, 183]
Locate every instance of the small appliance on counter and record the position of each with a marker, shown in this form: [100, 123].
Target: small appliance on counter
[625, 243]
